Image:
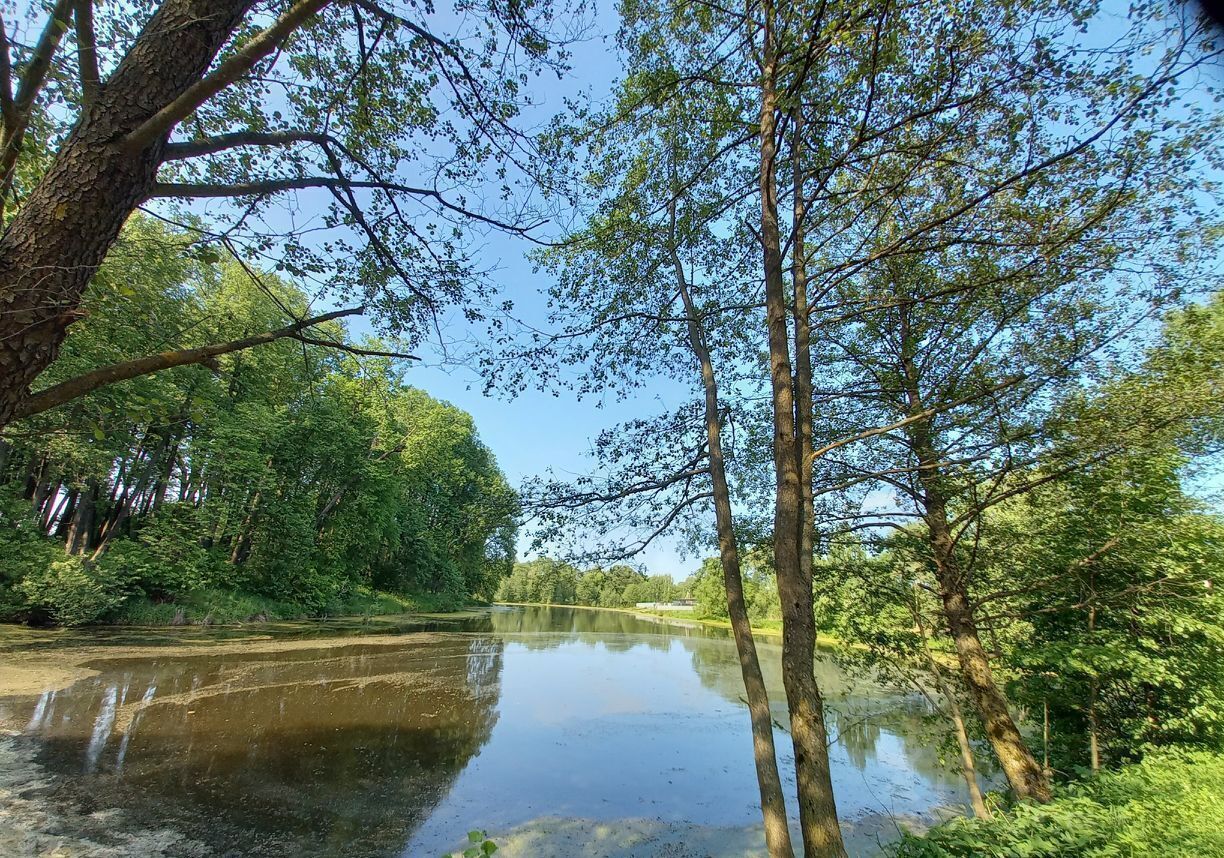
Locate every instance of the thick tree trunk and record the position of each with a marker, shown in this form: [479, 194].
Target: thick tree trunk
[61, 233]
[773, 803]
[817, 808]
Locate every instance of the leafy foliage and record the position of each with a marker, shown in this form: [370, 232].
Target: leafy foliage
[1168, 805]
[292, 472]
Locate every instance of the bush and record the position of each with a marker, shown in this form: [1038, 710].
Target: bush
[1169, 805]
[74, 592]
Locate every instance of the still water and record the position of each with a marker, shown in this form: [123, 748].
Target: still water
[559, 731]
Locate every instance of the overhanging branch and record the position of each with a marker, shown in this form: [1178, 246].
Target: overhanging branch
[76, 387]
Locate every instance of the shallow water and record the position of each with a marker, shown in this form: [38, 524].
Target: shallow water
[559, 731]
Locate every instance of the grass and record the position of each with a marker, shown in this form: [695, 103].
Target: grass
[226, 607]
[1169, 805]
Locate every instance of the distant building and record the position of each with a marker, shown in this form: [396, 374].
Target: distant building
[675, 605]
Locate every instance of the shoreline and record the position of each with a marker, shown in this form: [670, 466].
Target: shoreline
[675, 617]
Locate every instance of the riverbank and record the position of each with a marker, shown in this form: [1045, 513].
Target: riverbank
[760, 627]
[228, 607]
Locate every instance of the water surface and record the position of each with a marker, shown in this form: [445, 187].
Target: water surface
[559, 731]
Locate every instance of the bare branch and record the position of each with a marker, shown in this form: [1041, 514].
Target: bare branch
[7, 112]
[274, 186]
[87, 52]
[222, 142]
[353, 350]
[28, 87]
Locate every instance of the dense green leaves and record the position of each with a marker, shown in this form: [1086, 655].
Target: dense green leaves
[1168, 805]
[291, 472]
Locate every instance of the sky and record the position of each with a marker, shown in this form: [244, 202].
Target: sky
[533, 432]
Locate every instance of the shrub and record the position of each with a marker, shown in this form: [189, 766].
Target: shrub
[1168, 805]
[74, 592]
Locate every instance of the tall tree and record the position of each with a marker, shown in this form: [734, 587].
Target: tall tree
[252, 103]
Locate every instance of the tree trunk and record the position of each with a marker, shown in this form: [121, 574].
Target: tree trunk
[62, 232]
[1021, 769]
[80, 531]
[968, 768]
[65, 520]
[773, 803]
[817, 808]
[1019, 766]
[1094, 691]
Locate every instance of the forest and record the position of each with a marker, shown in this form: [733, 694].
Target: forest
[294, 479]
[907, 318]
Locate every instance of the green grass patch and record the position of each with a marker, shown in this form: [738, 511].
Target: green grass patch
[1170, 805]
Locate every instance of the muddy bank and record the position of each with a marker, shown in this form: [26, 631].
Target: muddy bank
[33, 824]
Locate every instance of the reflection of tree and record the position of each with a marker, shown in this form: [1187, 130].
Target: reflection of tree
[338, 751]
[546, 627]
[859, 709]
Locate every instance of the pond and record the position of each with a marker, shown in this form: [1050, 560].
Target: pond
[560, 731]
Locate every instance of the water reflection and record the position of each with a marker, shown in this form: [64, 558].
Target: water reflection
[533, 720]
[310, 752]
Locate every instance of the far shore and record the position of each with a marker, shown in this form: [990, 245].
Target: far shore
[676, 617]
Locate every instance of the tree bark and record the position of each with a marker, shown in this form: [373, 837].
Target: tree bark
[1023, 773]
[773, 802]
[817, 809]
[61, 233]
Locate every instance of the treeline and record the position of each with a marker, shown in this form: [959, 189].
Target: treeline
[304, 472]
[553, 582]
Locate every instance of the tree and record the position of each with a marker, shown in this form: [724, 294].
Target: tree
[308, 94]
[296, 473]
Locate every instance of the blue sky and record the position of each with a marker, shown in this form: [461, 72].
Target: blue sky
[532, 432]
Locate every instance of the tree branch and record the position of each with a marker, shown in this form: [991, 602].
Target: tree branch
[274, 186]
[8, 113]
[87, 52]
[213, 145]
[229, 71]
[76, 387]
[28, 87]
[353, 350]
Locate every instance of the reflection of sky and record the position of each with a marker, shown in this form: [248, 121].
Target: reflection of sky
[528, 713]
[589, 731]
